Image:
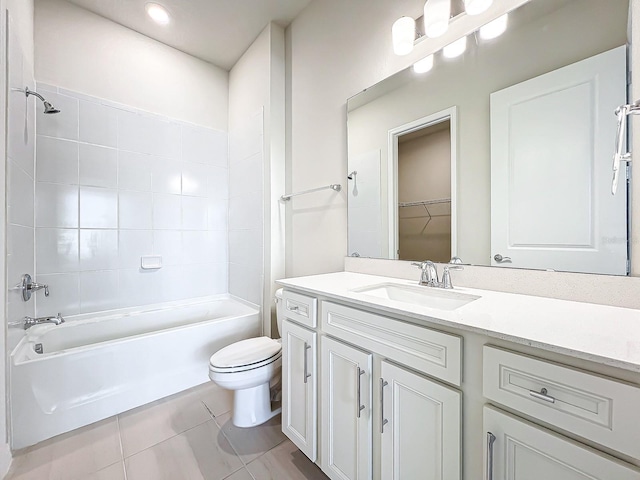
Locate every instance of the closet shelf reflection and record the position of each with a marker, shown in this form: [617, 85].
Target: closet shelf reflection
[428, 214]
[424, 202]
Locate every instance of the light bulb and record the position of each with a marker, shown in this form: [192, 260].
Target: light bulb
[424, 65]
[403, 34]
[475, 7]
[494, 28]
[158, 13]
[436, 17]
[456, 48]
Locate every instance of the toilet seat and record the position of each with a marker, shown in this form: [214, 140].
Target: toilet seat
[246, 355]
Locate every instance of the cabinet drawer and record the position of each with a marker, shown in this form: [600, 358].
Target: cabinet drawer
[434, 353]
[300, 308]
[599, 409]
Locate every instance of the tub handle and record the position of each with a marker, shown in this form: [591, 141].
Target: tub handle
[306, 362]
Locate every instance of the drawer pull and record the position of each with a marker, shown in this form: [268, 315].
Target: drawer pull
[358, 378]
[383, 421]
[542, 395]
[306, 362]
[491, 438]
[294, 308]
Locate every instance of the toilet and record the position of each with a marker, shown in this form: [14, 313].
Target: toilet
[249, 368]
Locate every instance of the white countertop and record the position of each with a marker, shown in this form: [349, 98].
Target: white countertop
[599, 333]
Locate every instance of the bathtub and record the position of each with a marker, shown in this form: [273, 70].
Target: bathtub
[95, 366]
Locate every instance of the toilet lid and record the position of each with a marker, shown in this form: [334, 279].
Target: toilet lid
[246, 352]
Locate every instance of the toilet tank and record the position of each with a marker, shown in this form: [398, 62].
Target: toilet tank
[279, 310]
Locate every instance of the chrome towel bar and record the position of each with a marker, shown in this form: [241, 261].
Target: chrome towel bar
[334, 186]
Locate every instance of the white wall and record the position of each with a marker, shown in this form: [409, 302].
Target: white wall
[329, 65]
[83, 52]
[256, 136]
[114, 184]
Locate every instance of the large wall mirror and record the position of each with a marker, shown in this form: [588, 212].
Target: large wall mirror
[503, 155]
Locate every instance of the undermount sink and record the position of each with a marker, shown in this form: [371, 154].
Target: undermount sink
[417, 295]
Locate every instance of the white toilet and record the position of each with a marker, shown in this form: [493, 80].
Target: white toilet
[249, 367]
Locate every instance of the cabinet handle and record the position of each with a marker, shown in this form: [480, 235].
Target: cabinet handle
[491, 438]
[383, 421]
[306, 362]
[358, 381]
[294, 308]
[542, 395]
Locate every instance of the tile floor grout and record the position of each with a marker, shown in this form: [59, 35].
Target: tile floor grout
[124, 467]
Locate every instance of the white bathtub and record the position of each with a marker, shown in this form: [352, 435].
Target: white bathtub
[95, 366]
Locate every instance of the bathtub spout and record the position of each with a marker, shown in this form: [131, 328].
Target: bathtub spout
[28, 322]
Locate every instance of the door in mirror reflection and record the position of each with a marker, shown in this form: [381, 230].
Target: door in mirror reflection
[424, 193]
[551, 143]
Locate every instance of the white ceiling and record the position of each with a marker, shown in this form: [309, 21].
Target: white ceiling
[217, 31]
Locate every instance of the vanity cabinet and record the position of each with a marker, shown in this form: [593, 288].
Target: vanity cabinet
[420, 425]
[346, 411]
[299, 387]
[519, 450]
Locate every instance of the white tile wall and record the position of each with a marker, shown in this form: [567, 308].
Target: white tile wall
[246, 216]
[113, 184]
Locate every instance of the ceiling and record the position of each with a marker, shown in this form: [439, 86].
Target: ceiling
[217, 31]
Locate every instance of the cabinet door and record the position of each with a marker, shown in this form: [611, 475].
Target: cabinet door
[420, 427]
[346, 411]
[523, 451]
[299, 387]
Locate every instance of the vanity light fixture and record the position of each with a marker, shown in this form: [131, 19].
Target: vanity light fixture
[475, 7]
[436, 17]
[424, 65]
[455, 49]
[157, 13]
[403, 34]
[494, 28]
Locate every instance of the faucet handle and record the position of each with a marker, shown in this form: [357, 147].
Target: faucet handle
[446, 275]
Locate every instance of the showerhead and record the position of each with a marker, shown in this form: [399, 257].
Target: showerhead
[48, 108]
[352, 174]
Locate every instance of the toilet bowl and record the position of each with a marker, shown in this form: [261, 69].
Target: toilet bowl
[249, 368]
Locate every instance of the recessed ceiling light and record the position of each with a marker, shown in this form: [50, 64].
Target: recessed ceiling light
[158, 13]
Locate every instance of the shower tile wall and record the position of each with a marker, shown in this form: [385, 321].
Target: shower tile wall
[246, 209]
[113, 184]
[20, 183]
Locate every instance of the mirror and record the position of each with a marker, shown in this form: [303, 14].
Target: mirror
[501, 156]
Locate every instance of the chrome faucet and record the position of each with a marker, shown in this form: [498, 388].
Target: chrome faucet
[429, 274]
[28, 322]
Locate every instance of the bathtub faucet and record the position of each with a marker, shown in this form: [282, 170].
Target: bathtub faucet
[28, 322]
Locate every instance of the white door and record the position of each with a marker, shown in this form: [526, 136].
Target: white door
[420, 427]
[299, 387]
[524, 451]
[346, 411]
[552, 143]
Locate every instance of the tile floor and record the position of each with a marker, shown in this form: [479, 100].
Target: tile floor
[188, 436]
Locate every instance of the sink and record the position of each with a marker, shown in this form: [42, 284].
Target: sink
[417, 295]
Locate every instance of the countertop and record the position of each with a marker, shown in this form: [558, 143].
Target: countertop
[598, 333]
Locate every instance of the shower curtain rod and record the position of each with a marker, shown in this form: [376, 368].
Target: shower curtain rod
[334, 186]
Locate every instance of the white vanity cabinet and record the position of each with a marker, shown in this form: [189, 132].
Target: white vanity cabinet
[299, 387]
[519, 450]
[346, 411]
[420, 425]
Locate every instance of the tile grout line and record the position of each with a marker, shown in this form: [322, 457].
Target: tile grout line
[124, 468]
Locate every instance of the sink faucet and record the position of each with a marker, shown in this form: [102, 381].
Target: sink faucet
[28, 322]
[429, 274]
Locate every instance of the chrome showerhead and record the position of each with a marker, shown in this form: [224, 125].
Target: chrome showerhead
[48, 108]
[352, 175]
